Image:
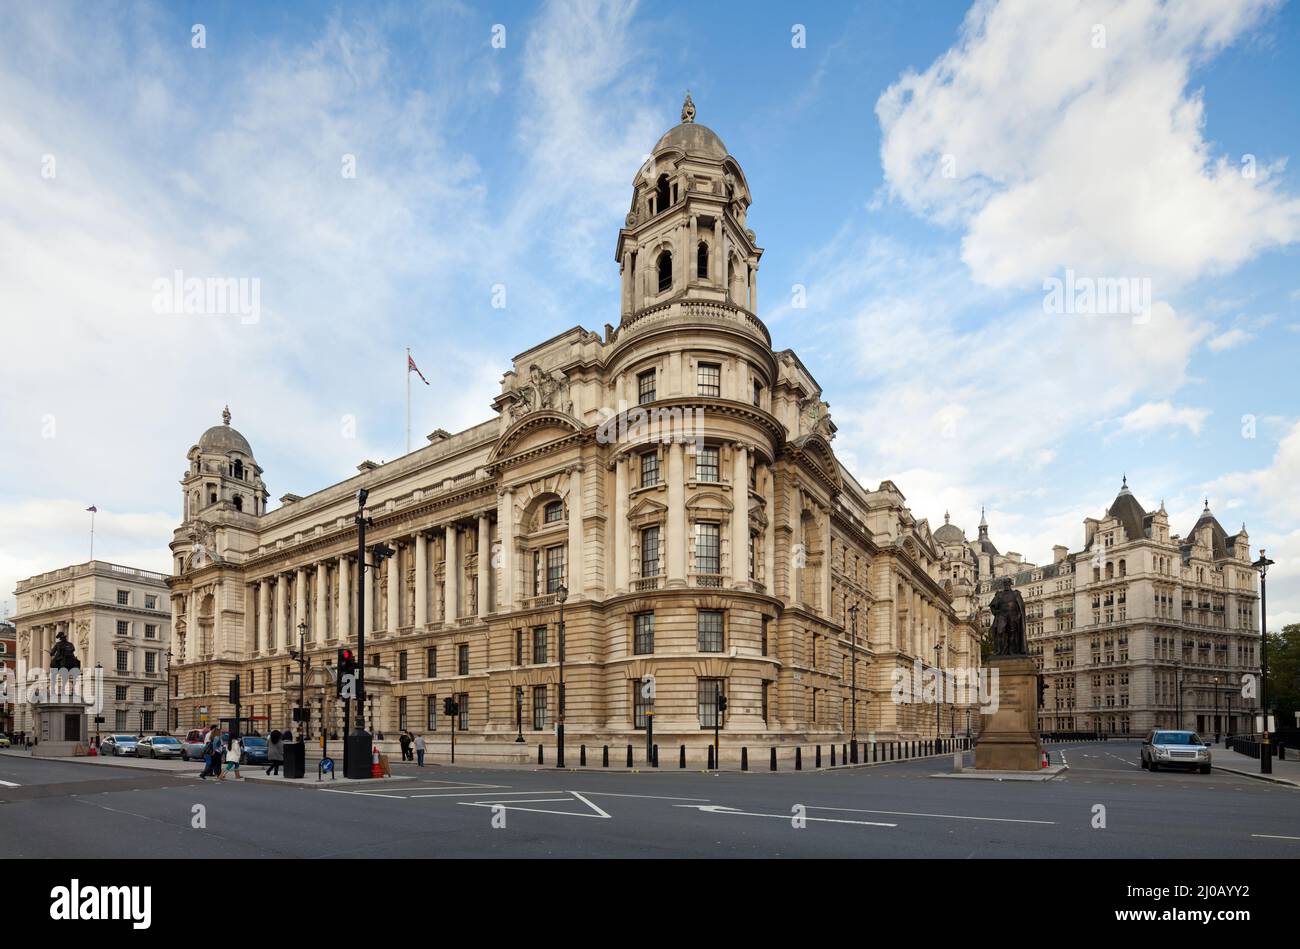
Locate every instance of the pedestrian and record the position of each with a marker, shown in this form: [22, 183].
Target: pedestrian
[218, 751]
[405, 742]
[232, 757]
[274, 752]
[287, 737]
[419, 750]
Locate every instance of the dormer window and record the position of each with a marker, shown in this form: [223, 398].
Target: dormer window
[665, 265]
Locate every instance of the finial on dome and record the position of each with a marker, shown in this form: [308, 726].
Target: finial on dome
[983, 522]
[688, 108]
[225, 415]
[1207, 506]
[1125, 480]
[945, 517]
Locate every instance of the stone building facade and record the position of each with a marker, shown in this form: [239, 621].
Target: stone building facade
[674, 475]
[8, 666]
[1132, 621]
[115, 616]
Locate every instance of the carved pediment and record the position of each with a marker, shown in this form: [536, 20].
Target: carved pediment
[709, 501]
[535, 432]
[647, 508]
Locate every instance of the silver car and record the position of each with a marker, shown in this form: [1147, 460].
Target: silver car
[1172, 748]
[118, 745]
[158, 746]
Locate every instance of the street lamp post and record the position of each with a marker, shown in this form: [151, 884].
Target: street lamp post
[168, 697]
[357, 750]
[1265, 752]
[938, 703]
[853, 713]
[561, 594]
[301, 656]
[1178, 696]
[99, 676]
[1216, 710]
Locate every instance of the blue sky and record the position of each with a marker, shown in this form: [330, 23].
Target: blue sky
[479, 166]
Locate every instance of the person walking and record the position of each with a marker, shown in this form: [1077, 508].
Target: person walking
[404, 740]
[419, 750]
[274, 753]
[207, 755]
[232, 758]
[218, 753]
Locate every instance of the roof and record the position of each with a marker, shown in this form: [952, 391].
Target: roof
[1129, 513]
[1219, 540]
[693, 139]
[223, 438]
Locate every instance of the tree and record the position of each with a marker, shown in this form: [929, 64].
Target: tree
[1284, 675]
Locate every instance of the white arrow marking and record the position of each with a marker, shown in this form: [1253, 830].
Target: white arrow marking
[513, 806]
[10, 784]
[719, 809]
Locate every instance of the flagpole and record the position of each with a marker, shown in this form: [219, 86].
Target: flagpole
[92, 535]
[408, 400]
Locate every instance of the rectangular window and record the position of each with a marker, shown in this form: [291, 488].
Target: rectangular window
[539, 707]
[431, 662]
[268, 680]
[519, 647]
[650, 552]
[462, 659]
[708, 556]
[151, 602]
[554, 568]
[709, 626]
[763, 636]
[431, 711]
[645, 387]
[120, 693]
[706, 464]
[123, 628]
[121, 660]
[123, 597]
[401, 713]
[119, 721]
[146, 721]
[758, 392]
[150, 662]
[401, 667]
[643, 634]
[708, 692]
[649, 469]
[753, 555]
[462, 701]
[709, 378]
[640, 704]
[539, 645]
[553, 513]
[150, 631]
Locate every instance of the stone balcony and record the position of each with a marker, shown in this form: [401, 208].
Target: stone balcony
[685, 312]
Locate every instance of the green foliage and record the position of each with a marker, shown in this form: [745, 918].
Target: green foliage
[1284, 674]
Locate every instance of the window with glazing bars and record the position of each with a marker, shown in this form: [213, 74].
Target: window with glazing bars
[706, 464]
[462, 659]
[643, 634]
[462, 700]
[709, 378]
[708, 556]
[640, 704]
[650, 552]
[708, 692]
[431, 711]
[554, 568]
[649, 469]
[709, 625]
[539, 707]
[645, 387]
[539, 645]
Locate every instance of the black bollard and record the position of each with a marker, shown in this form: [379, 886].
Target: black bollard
[629, 756]
[681, 757]
[832, 756]
[654, 756]
[582, 755]
[710, 767]
[539, 754]
[605, 757]
[844, 753]
[798, 759]
[773, 759]
[744, 758]
[818, 761]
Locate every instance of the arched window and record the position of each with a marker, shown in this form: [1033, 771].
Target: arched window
[702, 260]
[1123, 569]
[239, 503]
[665, 271]
[661, 194]
[239, 469]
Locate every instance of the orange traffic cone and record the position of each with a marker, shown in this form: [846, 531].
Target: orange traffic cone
[375, 770]
[1044, 759]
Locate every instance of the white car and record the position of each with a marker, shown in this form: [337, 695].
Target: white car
[1172, 748]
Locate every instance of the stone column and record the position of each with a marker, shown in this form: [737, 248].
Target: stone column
[753, 287]
[343, 622]
[739, 515]
[263, 617]
[622, 550]
[796, 538]
[769, 535]
[638, 265]
[484, 565]
[319, 628]
[826, 563]
[719, 268]
[692, 252]
[452, 574]
[299, 603]
[625, 281]
[395, 588]
[192, 613]
[506, 572]
[277, 628]
[676, 515]
[421, 580]
[577, 565]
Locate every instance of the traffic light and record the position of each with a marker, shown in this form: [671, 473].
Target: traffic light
[347, 670]
[234, 691]
[449, 707]
[722, 703]
[1042, 687]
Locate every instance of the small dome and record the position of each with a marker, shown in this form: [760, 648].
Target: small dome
[223, 438]
[693, 140]
[950, 533]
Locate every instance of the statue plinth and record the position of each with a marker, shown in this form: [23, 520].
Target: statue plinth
[1009, 738]
[61, 729]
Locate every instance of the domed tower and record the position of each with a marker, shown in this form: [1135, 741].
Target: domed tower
[685, 233]
[223, 473]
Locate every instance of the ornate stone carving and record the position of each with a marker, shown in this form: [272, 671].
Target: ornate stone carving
[688, 109]
[543, 390]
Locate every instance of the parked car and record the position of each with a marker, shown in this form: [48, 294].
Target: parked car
[118, 745]
[1171, 748]
[158, 746]
[4, 740]
[254, 751]
[192, 748]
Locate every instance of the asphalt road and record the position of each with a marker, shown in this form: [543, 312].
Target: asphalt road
[64, 809]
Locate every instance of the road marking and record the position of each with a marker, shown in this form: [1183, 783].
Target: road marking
[1124, 760]
[649, 797]
[720, 809]
[9, 784]
[491, 793]
[1001, 820]
[513, 806]
[396, 797]
[1275, 836]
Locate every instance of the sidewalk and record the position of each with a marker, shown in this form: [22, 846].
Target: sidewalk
[1234, 762]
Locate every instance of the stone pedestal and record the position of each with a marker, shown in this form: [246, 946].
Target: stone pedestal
[1009, 738]
[61, 729]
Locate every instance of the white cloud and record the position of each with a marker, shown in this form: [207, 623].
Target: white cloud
[1155, 415]
[1066, 155]
[1228, 339]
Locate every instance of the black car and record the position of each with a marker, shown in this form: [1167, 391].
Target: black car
[252, 751]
